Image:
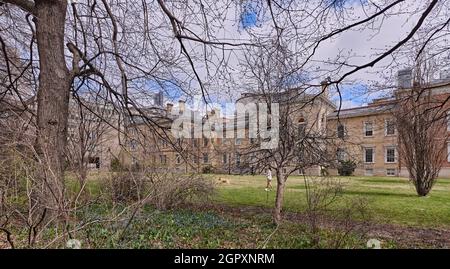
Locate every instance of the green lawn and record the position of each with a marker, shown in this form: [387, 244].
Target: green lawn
[391, 199]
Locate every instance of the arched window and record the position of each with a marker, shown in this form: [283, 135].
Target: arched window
[301, 127]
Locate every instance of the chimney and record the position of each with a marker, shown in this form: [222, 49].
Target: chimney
[158, 99]
[324, 84]
[169, 107]
[181, 106]
[216, 112]
[404, 78]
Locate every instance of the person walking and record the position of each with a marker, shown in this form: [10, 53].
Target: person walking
[269, 180]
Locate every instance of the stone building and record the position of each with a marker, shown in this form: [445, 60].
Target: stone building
[368, 135]
[227, 153]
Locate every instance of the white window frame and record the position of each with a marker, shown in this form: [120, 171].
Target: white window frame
[386, 154]
[386, 123]
[365, 128]
[237, 158]
[448, 151]
[373, 154]
[448, 121]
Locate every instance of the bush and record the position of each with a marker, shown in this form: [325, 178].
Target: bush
[171, 190]
[162, 190]
[346, 168]
[208, 169]
[116, 165]
[125, 187]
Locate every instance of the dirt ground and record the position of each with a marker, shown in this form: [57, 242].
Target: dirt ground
[403, 236]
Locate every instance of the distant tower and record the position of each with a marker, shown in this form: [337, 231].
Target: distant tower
[158, 99]
[404, 77]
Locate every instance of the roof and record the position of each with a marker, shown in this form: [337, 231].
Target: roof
[290, 95]
[362, 111]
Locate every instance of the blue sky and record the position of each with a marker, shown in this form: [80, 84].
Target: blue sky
[249, 17]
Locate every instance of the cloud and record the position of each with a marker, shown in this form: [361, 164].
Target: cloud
[349, 104]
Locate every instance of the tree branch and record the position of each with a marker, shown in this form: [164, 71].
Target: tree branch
[26, 5]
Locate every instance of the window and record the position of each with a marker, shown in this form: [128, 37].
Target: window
[178, 158]
[133, 145]
[368, 129]
[369, 155]
[163, 159]
[368, 172]
[205, 158]
[390, 172]
[164, 143]
[91, 135]
[238, 159]
[390, 155]
[301, 127]
[448, 121]
[224, 158]
[340, 154]
[390, 127]
[448, 152]
[237, 141]
[340, 131]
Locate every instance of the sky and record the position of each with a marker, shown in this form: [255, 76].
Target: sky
[361, 45]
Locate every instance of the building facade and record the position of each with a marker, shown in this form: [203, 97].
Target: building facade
[367, 135]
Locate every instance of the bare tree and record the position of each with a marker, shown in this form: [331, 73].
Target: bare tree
[92, 127]
[300, 139]
[123, 46]
[421, 117]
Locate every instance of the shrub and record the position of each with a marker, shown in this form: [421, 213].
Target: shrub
[162, 190]
[125, 187]
[208, 169]
[171, 190]
[116, 165]
[346, 168]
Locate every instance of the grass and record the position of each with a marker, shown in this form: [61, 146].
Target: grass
[391, 200]
[188, 228]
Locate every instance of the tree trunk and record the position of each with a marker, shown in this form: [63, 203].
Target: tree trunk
[279, 197]
[52, 102]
